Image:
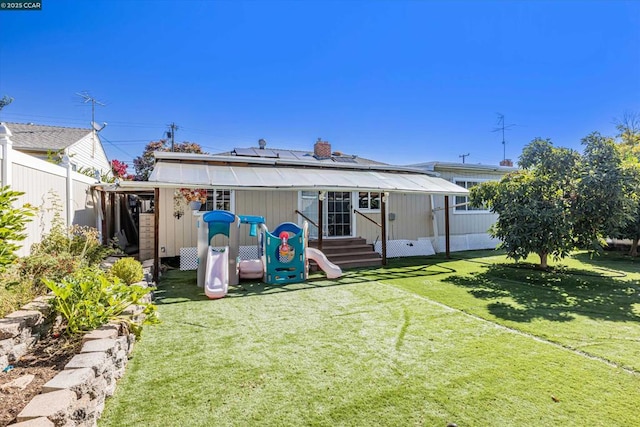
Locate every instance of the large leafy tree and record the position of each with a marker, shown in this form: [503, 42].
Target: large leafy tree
[559, 200]
[601, 206]
[533, 203]
[143, 164]
[629, 145]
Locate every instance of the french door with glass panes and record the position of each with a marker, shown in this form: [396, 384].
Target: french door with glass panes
[338, 210]
[337, 215]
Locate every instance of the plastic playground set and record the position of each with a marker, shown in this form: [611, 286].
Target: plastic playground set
[283, 254]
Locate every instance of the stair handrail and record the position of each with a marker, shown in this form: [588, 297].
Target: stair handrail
[309, 220]
[366, 217]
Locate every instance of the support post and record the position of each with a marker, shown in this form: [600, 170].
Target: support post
[66, 163]
[447, 243]
[321, 195]
[6, 148]
[383, 214]
[156, 228]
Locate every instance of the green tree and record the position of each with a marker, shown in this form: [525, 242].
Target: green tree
[559, 200]
[601, 206]
[533, 203]
[12, 224]
[143, 164]
[628, 139]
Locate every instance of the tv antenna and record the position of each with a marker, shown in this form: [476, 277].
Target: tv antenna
[88, 98]
[96, 128]
[464, 156]
[501, 128]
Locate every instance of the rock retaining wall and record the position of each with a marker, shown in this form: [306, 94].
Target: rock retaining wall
[75, 396]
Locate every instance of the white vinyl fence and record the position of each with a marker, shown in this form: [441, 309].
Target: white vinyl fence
[46, 185]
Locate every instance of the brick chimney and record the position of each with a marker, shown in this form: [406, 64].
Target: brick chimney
[506, 162]
[322, 149]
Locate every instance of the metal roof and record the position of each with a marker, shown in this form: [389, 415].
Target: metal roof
[27, 136]
[476, 167]
[269, 174]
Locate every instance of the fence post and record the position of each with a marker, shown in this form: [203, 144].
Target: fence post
[66, 162]
[7, 155]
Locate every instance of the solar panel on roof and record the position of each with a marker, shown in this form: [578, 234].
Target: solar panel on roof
[344, 159]
[270, 154]
[285, 154]
[250, 152]
[302, 156]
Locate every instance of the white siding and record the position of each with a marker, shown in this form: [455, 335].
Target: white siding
[89, 153]
[470, 222]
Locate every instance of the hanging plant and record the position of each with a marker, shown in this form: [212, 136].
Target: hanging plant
[195, 195]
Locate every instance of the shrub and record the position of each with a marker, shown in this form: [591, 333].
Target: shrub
[48, 265]
[12, 224]
[15, 291]
[128, 270]
[89, 298]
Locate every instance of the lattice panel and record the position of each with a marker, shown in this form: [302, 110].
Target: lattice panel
[248, 252]
[188, 259]
[400, 248]
[189, 256]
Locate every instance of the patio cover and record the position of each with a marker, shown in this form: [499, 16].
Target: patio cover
[267, 177]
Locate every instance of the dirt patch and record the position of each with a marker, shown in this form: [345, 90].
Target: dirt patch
[47, 357]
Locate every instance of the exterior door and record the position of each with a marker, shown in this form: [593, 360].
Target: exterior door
[309, 207]
[338, 213]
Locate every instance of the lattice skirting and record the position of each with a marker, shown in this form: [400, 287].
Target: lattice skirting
[400, 248]
[189, 256]
[467, 242]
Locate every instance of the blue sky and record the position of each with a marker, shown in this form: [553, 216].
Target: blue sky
[395, 81]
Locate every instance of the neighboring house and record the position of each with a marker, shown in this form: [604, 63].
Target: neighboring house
[22, 150]
[468, 225]
[82, 145]
[333, 190]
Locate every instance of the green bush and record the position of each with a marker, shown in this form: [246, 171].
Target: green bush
[12, 224]
[128, 270]
[48, 265]
[90, 298]
[15, 291]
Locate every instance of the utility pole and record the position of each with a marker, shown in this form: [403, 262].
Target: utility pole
[172, 134]
[464, 156]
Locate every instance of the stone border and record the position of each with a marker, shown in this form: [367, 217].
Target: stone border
[76, 395]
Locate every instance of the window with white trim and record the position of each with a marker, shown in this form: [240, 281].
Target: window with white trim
[369, 200]
[217, 200]
[461, 204]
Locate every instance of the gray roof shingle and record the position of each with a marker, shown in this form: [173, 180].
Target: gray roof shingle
[44, 138]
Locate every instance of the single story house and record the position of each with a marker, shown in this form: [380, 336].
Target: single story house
[341, 196]
[468, 225]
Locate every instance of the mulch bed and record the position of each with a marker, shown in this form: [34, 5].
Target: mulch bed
[47, 357]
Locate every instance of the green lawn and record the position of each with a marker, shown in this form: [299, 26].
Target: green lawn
[425, 342]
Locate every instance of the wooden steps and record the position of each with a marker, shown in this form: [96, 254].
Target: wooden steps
[348, 252]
